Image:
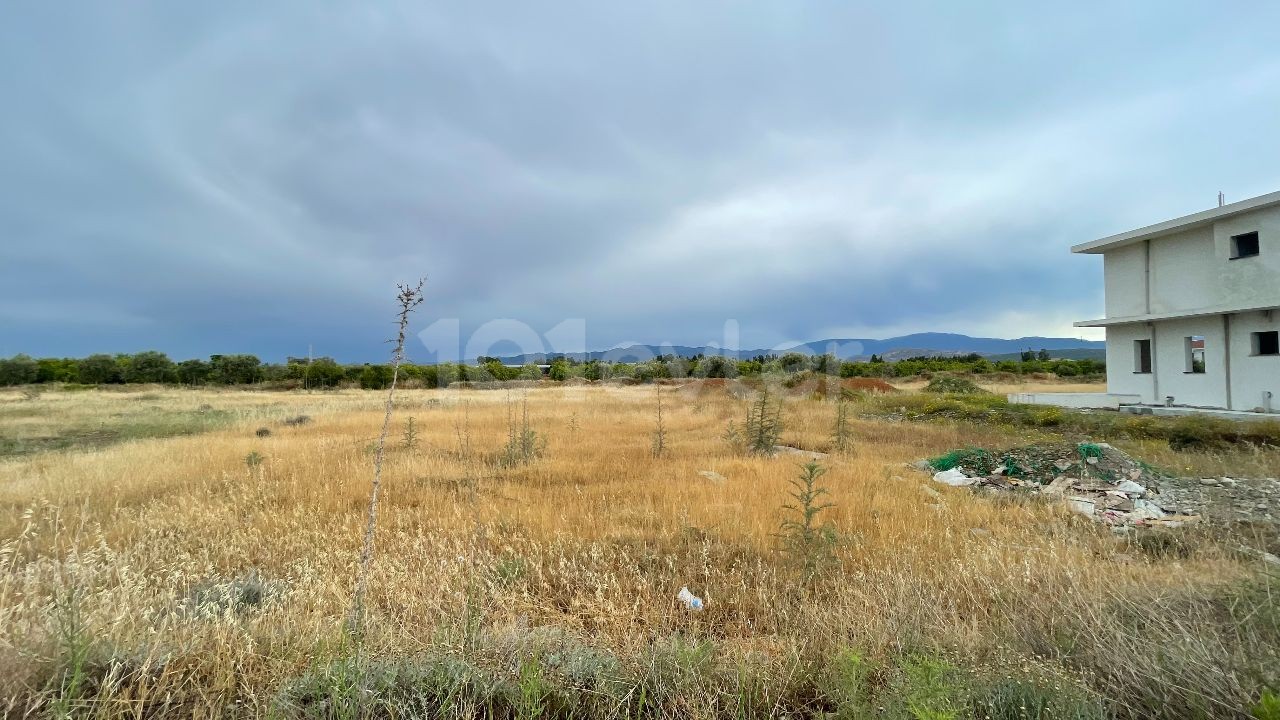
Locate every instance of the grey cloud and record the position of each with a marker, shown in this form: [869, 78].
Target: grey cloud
[255, 177]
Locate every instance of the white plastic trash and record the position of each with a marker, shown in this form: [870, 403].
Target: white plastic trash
[1129, 487]
[691, 601]
[954, 477]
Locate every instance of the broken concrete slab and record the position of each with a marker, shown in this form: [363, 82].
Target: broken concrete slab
[807, 454]
[713, 476]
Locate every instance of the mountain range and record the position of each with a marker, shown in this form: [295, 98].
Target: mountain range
[918, 344]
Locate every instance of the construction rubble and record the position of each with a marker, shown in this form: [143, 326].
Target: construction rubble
[1093, 479]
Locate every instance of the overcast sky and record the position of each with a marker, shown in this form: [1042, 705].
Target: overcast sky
[256, 177]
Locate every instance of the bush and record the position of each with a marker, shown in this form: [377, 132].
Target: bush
[953, 385]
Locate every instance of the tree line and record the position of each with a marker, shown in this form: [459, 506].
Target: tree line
[156, 367]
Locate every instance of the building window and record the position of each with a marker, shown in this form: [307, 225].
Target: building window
[1245, 245]
[1142, 356]
[1266, 343]
[1193, 349]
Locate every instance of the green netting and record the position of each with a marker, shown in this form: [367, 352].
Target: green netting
[971, 458]
[1088, 450]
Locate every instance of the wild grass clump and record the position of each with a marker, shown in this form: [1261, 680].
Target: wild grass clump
[524, 445]
[243, 594]
[1227, 647]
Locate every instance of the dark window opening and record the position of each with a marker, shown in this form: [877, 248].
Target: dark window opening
[1194, 351]
[1243, 246]
[1142, 356]
[1266, 343]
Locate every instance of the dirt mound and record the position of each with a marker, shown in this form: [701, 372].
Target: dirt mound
[715, 386]
[809, 384]
[868, 385]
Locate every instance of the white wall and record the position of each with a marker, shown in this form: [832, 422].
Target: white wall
[1184, 272]
[1207, 389]
[1192, 270]
[1120, 376]
[1251, 281]
[1125, 273]
[1250, 376]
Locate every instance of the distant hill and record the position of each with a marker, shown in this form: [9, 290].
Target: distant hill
[938, 344]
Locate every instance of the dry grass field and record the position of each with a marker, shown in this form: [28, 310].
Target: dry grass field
[161, 557]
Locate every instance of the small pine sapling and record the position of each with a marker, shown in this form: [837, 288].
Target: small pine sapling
[808, 543]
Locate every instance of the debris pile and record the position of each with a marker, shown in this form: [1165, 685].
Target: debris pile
[1094, 479]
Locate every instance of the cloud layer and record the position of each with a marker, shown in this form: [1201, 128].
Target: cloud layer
[256, 176]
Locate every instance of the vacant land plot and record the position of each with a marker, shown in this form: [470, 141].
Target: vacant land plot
[200, 561]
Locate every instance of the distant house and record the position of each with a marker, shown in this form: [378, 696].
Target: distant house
[1191, 308]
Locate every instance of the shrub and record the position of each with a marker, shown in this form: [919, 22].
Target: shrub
[1195, 433]
[1048, 416]
[1164, 544]
[953, 385]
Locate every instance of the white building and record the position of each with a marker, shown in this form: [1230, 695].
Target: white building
[1191, 308]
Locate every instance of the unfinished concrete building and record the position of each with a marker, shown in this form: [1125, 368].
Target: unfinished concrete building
[1191, 309]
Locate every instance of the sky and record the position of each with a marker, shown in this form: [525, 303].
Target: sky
[225, 177]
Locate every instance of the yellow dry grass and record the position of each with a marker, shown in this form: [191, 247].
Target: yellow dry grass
[1020, 386]
[596, 537]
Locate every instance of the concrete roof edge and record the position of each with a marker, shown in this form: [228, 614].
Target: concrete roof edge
[1177, 314]
[1170, 226]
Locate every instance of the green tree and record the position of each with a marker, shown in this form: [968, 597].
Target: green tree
[375, 377]
[149, 366]
[827, 364]
[323, 373]
[100, 369]
[18, 370]
[234, 369]
[794, 362]
[717, 366]
[57, 370]
[192, 372]
[559, 370]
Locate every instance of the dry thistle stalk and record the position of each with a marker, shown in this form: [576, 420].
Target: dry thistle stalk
[660, 431]
[408, 297]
